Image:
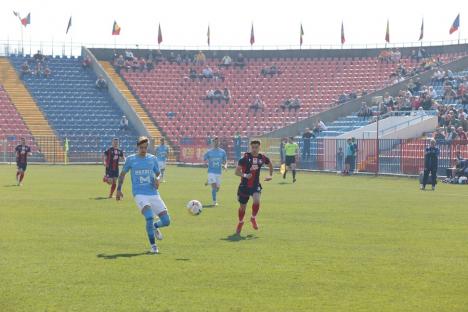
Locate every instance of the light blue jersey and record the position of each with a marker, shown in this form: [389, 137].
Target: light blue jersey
[143, 173]
[215, 158]
[161, 152]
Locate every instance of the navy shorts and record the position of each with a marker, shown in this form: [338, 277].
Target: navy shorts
[290, 160]
[110, 173]
[22, 166]
[244, 192]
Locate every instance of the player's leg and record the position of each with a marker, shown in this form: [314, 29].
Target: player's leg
[22, 171]
[113, 186]
[159, 208]
[255, 209]
[293, 169]
[433, 177]
[149, 217]
[425, 177]
[243, 198]
[18, 174]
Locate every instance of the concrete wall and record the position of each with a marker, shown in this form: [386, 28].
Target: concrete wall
[353, 106]
[413, 131]
[114, 92]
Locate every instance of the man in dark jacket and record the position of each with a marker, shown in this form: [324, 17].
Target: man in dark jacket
[431, 158]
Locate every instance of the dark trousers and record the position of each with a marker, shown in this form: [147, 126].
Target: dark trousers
[433, 172]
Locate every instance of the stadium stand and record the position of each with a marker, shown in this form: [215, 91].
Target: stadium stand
[74, 107]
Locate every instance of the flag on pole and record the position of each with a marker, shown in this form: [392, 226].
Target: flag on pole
[301, 35]
[27, 20]
[421, 35]
[455, 24]
[343, 39]
[115, 29]
[387, 32]
[69, 25]
[208, 36]
[252, 36]
[17, 15]
[160, 38]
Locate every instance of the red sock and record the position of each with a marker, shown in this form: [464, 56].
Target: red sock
[21, 176]
[112, 189]
[255, 208]
[241, 214]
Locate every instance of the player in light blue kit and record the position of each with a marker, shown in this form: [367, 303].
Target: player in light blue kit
[145, 184]
[161, 154]
[216, 158]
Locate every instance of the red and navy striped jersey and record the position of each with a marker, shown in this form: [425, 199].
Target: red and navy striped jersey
[252, 165]
[113, 156]
[22, 153]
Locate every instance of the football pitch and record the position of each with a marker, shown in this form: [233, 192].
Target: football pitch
[326, 243]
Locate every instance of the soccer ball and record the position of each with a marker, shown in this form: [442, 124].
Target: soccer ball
[194, 207]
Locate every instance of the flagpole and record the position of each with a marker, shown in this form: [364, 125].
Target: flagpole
[22, 42]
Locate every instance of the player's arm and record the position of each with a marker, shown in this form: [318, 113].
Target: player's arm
[120, 182]
[239, 173]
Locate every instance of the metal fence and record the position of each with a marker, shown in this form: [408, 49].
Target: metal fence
[385, 156]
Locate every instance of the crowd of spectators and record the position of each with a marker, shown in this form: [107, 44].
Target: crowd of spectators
[218, 95]
[35, 66]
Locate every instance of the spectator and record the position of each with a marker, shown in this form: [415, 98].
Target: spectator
[451, 135]
[135, 64]
[364, 111]
[158, 58]
[25, 70]
[237, 146]
[141, 64]
[343, 98]
[321, 125]
[350, 157]
[449, 93]
[210, 95]
[431, 158]
[172, 58]
[200, 58]
[295, 104]
[47, 72]
[461, 135]
[270, 71]
[339, 160]
[39, 59]
[257, 104]
[306, 137]
[240, 61]
[218, 95]
[128, 55]
[123, 123]
[207, 73]
[127, 65]
[439, 135]
[178, 59]
[149, 65]
[119, 63]
[101, 84]
[86, 62]
[193, 74]
[286, 105]
[226, 61]
[227, 95]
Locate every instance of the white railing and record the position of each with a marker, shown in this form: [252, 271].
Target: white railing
[8, 47]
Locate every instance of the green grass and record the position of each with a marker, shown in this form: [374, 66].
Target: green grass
[326, 243]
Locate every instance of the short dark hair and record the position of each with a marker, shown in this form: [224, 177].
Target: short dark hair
[255, 142]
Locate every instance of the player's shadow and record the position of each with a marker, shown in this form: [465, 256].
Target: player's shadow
[99, 198]
[123, 255]
[283, 182]
[237, 238]
[10, 185]
[209, 206]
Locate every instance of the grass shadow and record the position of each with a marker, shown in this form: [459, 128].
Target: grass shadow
[283, 182]
[182, 259]
[237, 237]
[123, 255]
